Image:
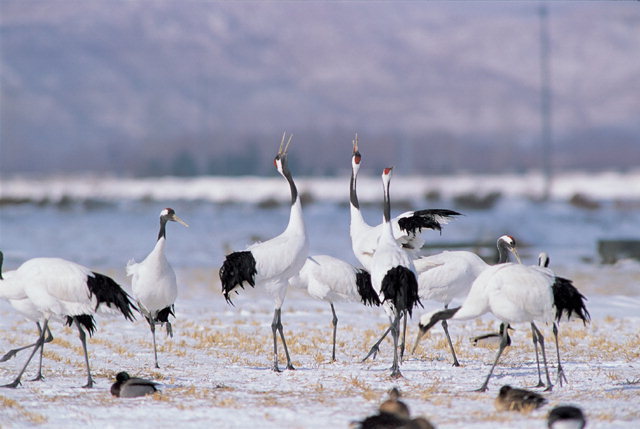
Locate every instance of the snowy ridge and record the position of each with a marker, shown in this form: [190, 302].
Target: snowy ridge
[599, 186]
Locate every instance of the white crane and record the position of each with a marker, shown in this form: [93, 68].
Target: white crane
[406, 227]
[17, 297]
[393, 275]
[61, 288]
[514, 293]
[449, 275]
[332, 280]
[272, 263]
[153, 282]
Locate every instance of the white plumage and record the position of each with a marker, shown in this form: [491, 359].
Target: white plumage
[61, 288]
[270, 264]
[14, 292]
[153, 282]
[514, 293]
[450, 274]
[406, 227]
[393, 275]
[333, 280]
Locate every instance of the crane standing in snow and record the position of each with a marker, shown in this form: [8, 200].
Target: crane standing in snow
[450, 274]
[333, 280]
[153, 282]
[272, 263]
[393, 275]
[63, 289]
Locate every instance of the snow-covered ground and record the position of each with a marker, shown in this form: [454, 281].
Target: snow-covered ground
[216, 370]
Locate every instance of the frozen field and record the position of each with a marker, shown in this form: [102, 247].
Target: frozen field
[215, 371]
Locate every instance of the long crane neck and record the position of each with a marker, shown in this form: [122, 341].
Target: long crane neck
[162, 233]
[353, 195]
[503, 253]
[292, 185]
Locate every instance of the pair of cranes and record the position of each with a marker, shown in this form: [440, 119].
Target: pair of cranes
[53, 288]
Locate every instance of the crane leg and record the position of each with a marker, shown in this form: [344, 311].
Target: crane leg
[404, 334]
[274, 330]
[11, 353]
[376, 346]
[561, 376]
[152, 326]
[395, 332]
[276, 325]
[83, 340]
[534, 337]
[334, 323]
[445, 326]
[38, 344]
[503, 344]
[544, 356]
[48, 339]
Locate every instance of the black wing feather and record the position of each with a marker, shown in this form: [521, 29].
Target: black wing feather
[429, 219]
[238, 267]
[365, 289]
[108, 292]
[400, 287]
[568, 300]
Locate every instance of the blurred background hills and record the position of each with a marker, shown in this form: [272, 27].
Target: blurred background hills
[185, 88]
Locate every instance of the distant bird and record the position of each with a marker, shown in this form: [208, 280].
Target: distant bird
[153, 282]
[566, 417]
[61, 288]
[522, 400]
[450, 274]
[17, 297]
[272, 263]
[406, 227]
[514, 293]
[493, 337]
[132, 387]
[393, 414]
[393, 275]
[332, 280]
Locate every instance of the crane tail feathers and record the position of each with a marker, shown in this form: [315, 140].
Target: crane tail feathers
[365, 289]
[568, 300]
[400, 286]
[109, 293]
[85, 320]
[238, 267]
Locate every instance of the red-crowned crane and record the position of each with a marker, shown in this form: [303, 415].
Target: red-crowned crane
[153, 282]
[406, 227]
[393, 275]
[450, 274]
[270, 264]
[332, 280]
[516, 293]
[63, 289]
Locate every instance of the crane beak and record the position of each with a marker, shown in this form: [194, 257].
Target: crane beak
[421, 333]
[515, 254]
[175, 218]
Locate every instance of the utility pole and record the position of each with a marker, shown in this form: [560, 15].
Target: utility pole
[545, 102]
